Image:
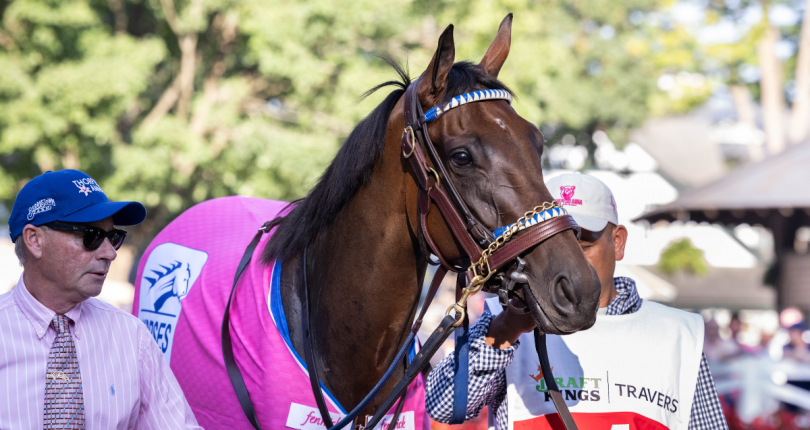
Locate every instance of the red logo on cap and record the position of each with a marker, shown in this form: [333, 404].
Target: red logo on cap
[566, 196]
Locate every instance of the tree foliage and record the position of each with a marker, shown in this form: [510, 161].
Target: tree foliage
[682, 256]
[172, 102]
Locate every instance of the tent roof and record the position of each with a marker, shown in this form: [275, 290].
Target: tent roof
[753, 193]
[721, 287]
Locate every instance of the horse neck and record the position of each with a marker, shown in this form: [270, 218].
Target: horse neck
[363, 277]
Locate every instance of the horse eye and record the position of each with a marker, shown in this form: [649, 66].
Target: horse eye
[461, 158]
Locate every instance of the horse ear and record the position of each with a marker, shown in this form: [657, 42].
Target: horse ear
[434, 79]
[496, 54]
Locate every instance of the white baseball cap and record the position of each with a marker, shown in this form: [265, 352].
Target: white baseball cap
[586, 198]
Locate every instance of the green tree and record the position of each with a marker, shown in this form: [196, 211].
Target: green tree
[581, 66]
[172, 102]
[682, 256]
[755, 49]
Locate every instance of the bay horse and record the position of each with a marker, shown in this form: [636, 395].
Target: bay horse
[365, 262]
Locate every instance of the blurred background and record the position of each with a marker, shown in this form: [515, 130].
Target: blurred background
[695, 113]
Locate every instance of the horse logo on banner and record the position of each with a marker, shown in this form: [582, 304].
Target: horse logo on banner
[168, 276]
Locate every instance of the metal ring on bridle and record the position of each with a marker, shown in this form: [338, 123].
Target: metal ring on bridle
[412, 140]
[435, 175]
[460, 312]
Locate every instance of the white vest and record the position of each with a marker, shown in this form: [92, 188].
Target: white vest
[627, 372]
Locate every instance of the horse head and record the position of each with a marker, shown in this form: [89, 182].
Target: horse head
[493, 157]
[181, 285]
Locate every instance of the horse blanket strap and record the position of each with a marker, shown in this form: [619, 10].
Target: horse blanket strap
[553, 390]
[461, 362]
[308, 317]
[227, 346]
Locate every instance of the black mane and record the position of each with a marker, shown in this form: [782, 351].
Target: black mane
[355, 161]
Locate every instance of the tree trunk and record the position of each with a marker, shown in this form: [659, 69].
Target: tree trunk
[800, 116]
[746, 116]
[773, 99]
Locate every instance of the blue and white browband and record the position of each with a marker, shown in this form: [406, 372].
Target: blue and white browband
[542, 216]
[437, 111]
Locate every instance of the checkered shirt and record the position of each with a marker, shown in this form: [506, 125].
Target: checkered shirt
[488, 374]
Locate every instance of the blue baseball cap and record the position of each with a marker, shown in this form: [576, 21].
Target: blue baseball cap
[69, 196]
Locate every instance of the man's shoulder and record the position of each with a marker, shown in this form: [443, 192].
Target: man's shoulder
[674, 314]
[664, 309]
[6, 300]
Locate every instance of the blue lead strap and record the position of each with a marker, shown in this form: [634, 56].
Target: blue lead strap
[461, 362]
[461, 367]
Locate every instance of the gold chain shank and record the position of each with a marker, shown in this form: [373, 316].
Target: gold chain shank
[481, 269]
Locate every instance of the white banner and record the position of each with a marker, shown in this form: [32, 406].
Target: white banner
[306, 418]
[404, 422]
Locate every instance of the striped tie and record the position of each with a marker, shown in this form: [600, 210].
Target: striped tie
[64, 401]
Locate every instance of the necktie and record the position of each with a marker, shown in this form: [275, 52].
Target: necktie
[64, 401]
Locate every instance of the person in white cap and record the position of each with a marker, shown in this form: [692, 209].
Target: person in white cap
[640, 366]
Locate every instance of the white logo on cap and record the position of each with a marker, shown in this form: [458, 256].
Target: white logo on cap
[43, 205]
[87, 186]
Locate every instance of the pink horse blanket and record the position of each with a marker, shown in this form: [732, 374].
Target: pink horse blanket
[184, 278]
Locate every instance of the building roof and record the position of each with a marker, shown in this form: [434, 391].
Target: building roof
[752, 193]
[682, 148]
[721, 287]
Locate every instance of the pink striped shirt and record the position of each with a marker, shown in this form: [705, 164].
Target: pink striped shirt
[127, 383]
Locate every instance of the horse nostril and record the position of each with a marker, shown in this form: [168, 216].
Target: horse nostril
[563, 295]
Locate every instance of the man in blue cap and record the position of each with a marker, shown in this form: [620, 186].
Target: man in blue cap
[70, 361]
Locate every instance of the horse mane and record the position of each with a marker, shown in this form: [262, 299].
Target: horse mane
[354, 163]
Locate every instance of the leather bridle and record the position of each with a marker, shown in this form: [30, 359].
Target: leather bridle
[486, 253]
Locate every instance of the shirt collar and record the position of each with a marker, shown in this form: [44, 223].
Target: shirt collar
[628, 300]
[40, 316]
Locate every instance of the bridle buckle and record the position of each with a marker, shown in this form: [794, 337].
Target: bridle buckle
[409, 131]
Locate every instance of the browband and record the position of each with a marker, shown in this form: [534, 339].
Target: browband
[435, 112]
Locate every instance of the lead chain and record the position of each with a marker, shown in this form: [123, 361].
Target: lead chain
[482, 265]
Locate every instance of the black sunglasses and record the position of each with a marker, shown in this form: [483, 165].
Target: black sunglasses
[93, 236]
